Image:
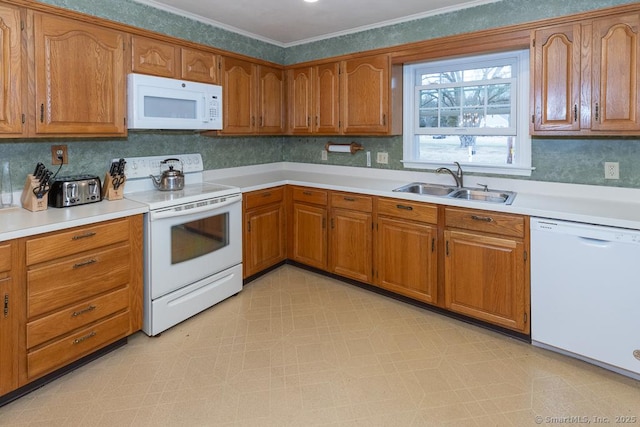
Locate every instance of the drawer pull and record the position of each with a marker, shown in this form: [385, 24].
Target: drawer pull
[84, 236]
[406, 208]
[86, 310]
[86, 337]
[266, 195]
[349, 199]
[85, 263]
[307, 193]
[482, 218]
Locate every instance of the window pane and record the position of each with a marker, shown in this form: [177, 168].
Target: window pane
[472, 110]
[494, 150]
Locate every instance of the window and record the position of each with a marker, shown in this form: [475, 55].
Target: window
[471, 110]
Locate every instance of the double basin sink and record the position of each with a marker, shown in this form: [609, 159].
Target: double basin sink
[464, 193]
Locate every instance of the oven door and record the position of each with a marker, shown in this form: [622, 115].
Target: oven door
[187, 245]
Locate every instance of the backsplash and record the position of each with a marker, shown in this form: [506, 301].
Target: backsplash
[573, 161]
[556, 160]
[93, 156]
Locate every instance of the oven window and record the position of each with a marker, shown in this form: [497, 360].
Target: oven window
[196, 238]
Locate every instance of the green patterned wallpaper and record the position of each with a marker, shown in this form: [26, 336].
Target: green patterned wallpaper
[557, 160]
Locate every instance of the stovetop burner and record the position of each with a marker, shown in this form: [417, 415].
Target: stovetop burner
[139, 185]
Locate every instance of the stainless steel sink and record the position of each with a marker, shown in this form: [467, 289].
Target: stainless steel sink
[476, 194]
[427, 189]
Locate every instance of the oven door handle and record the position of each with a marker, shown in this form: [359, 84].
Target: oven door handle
[171, 213]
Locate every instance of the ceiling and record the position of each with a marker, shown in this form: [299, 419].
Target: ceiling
[292, 22]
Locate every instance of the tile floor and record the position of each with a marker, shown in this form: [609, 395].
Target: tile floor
[298, 349]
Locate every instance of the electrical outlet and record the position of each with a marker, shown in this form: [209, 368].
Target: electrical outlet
[323, 156]
[611, 170]
[59, 152]
[382, 158]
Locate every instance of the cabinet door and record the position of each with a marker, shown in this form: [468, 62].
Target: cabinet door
[199, 66]
[79, 77]
[264, 238]
[351, 247]
[407, 258]
[271, 95]
[485, 278]
[365, 95]
[326, 90]
[238, 96]
[9, 321]
[616, 93]
[12, 78]
[309, 235]
[300, 100]
[556, 79]
[154, 57]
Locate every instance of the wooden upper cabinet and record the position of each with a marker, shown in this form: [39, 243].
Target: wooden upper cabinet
[585, 77]
[364, 96]
[300, 94]
[79, 77]
[271, 113]
[326, 102]
[199, 66]
[314, 99]
[12, 101]
[154, 57]
[253, 98]
[238, 85]
[616, 51]
[556, 87]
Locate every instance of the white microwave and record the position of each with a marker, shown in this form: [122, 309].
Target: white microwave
[162, 103]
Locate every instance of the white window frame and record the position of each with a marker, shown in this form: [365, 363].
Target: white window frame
[522, 165]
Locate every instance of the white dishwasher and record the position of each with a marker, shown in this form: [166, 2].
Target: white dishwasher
[585, 292]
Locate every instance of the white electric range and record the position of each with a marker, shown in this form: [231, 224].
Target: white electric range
[192, 241]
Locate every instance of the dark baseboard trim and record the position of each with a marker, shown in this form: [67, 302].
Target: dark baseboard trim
[28, 388]
[504, 331]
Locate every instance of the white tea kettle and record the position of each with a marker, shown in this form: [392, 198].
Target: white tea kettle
[171, 178]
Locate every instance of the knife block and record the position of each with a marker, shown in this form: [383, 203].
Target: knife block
[110, 193]
[29, 200]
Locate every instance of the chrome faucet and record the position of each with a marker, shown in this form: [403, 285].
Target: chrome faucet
[457, 176]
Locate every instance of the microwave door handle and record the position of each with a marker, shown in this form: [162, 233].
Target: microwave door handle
[205, 116]
[170, 213]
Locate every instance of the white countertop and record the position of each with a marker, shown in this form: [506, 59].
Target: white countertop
[16, 222]
[613, 206]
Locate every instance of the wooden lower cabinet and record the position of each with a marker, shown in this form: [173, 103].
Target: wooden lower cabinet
[486, 268]
[82, 291]
[309, 226]
[350, 236]
[468, 261]
[264, 230]
[10, 318]
[406, 248]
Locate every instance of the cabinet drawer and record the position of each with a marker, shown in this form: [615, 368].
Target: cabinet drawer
[486, 221]
[76, 240]
[408, 210]
[263, 197]
[310, 195]
[5, 257]
[75, 279]
[75, 346]
[352, 201]
[75, 317]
